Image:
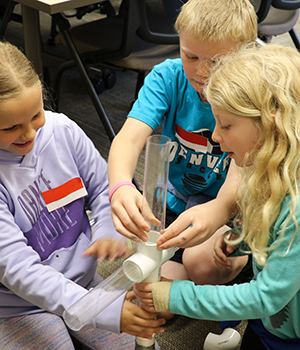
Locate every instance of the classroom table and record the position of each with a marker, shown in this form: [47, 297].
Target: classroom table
[31, 24]
[33, 45]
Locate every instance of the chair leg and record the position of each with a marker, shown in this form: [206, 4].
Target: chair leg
[55, 86]
[63, 27]
[295, 38]
[6, 17]
[139, 83]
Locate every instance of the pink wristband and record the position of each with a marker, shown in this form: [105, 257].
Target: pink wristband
[123, 183]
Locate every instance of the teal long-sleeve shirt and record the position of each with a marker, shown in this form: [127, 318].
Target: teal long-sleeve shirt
[272, 296]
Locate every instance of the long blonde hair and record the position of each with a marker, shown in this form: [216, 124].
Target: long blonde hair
[264, 84]
[218, 21]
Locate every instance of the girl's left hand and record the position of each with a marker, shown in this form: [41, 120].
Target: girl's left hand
[108, 249]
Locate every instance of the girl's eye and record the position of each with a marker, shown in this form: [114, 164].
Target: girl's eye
[37, 116]
[10, 129]
[225, 127]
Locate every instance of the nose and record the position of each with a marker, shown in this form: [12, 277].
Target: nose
[29, 132]
[203, 69]
[216, 135]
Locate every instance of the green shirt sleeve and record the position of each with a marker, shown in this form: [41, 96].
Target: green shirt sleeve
[273, 291]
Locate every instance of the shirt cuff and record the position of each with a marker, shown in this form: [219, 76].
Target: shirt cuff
[161, 294]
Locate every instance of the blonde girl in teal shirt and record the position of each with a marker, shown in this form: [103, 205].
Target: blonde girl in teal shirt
[255, 98]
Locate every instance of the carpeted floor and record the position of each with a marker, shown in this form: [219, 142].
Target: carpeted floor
[181, 333]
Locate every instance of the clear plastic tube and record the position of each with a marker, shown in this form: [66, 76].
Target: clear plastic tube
[145, 264]
[154, 199]
[96, 300]
[156, 175]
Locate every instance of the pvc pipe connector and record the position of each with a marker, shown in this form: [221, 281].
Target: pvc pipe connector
[141, 266]
[228, 340]
[148, 259]
[99, 298]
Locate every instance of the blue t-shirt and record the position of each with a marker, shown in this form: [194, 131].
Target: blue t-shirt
[197, 164]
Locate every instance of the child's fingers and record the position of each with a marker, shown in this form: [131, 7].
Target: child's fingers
[107, 248]
[130, 296]
[148, 307]
[126, 213]
[221, 260]
[148, 215]
[219, 253]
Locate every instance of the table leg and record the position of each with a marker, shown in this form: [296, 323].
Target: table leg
[32, 39]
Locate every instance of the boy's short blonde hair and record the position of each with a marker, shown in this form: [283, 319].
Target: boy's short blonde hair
[218, 20]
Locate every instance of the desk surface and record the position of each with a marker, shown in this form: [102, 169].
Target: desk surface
[55, 6]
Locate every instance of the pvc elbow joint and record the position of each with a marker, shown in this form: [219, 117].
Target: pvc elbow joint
[228, 340]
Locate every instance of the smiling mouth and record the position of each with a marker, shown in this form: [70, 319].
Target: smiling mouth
[23, 145]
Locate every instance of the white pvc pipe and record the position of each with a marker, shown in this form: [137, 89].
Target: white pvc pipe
[144, 263]
[154, 199]
[97, 299]
[149, 259]
[144, 266]
[228, 340]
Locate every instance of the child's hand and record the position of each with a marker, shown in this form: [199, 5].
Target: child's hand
[108, 248]
[222, 250]
[126, 206]
[137, 321]
[126, 211]
[143, 293]
[192, 227]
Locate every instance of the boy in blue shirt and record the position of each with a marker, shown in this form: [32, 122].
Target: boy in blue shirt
[172, 95]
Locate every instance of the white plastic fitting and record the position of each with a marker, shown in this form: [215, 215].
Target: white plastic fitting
[144, 265]
[228, 340]
[148, 259]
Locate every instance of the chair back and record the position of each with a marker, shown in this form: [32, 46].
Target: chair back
[277, 17]
[262, 8]
[157, 19]
[286, 4]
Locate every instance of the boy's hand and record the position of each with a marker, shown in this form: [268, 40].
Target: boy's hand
[126, 207]
[126, 211]
[137, 321]
[108, 248]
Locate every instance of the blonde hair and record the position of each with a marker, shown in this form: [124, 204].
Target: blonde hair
[217, 21]
[264, 84]
[16, 72]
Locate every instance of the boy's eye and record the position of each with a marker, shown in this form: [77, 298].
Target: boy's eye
[190, 57]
